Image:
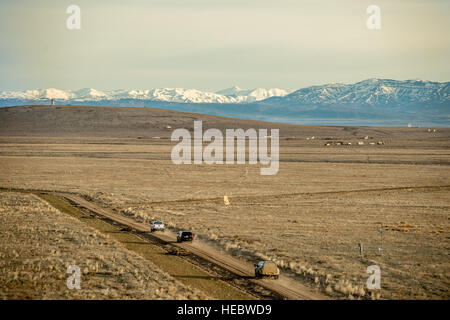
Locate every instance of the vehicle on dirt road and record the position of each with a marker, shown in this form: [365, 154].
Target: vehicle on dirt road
[157, 226]
[266, 269]
[185, 236]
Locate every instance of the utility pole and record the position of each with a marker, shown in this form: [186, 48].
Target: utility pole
[360, 245]
[380, 250]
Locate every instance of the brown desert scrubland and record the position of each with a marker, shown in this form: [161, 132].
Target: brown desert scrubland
[39, 243]
[309, 218]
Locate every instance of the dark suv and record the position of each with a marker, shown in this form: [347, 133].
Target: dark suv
[185, 236]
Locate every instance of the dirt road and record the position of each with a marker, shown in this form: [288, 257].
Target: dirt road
[284, 286]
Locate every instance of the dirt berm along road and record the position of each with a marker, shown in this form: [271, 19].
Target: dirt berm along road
[284, 286]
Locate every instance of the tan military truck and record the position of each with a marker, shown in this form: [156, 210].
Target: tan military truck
[267, 269]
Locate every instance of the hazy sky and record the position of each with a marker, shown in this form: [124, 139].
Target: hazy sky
[214, 44]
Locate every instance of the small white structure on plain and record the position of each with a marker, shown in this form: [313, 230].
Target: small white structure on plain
[168, 127]
[226, 201]
[366, 138]
[429, 130]
[434, 130]
[409, 125]
[360, 143]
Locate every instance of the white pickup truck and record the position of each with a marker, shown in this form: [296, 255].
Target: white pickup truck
[157, 226]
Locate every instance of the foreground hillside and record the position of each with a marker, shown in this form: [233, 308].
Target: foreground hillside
[39, 243]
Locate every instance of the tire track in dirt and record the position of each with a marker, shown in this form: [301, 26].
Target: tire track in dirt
[270, 198]
[284, 286]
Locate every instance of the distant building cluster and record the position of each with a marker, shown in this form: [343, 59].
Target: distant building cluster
[359, 143]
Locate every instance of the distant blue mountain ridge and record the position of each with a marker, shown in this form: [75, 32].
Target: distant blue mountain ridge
[381, 102]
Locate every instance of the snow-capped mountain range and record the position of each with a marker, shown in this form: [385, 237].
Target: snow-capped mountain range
[231, 95]
[371, 92]
[369, 102]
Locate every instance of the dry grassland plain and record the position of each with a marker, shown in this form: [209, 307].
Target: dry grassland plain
[309, 218]
[39, 243]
